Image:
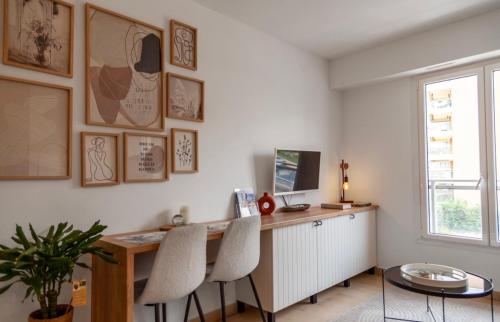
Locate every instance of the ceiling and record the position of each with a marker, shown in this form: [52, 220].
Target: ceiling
[333, 28]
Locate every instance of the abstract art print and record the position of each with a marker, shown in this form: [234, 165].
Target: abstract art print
[183, 45]
[145, 157]
[124, 60]
[35, 130]
[99, 153]
[184, 151]
[185, 98]
[38, 35]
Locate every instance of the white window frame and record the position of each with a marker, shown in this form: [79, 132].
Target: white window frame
[490, 136]
[422, 133]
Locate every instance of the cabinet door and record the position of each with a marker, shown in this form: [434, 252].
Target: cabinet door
[334, 251]
[295, 264]
[363, 239]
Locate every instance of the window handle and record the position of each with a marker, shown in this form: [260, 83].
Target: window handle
[481, 179]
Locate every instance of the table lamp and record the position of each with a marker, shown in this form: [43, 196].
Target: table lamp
[345, 182]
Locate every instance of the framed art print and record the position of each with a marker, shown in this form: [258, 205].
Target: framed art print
[183, 45]
[99, 154]
[184, 151]
[38, 35]
[124, 63]
[145, 157]
[35, 131]
[185, 98]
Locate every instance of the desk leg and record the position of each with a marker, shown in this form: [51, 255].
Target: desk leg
[113, 288]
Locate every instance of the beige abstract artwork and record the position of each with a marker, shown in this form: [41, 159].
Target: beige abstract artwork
[124, 69]
[145, 158]
[35, 127]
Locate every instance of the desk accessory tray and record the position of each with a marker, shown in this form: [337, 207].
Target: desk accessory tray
[433, 275]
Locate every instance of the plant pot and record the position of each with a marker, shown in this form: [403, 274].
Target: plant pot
[66, 317]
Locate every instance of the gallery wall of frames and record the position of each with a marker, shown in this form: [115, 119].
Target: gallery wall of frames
[126, 87]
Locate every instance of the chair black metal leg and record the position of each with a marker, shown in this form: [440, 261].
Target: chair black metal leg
[313, 299]
[164, 311]
[271, 317]
[263, 317]
[198, 307]
[240, 306]
[347, 283]
[222, 302]
[188, 306]
[157, 312]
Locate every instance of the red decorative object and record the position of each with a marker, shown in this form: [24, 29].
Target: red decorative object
[266, 204]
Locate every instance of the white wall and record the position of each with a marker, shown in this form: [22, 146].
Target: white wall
[381, 146]
[461, 42]
[260, 93]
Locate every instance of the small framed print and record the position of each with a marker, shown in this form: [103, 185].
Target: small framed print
[184, 151]
[99, 154]
[145, 157]
[38, 35]
[183, 45]
[185, 98]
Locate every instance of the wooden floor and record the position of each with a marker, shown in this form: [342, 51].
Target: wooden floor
[331, 303]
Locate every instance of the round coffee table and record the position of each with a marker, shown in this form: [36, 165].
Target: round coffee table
[477, 287]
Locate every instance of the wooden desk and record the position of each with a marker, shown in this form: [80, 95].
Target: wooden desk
[113, 284]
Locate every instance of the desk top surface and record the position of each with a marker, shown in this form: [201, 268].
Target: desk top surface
[277, 220]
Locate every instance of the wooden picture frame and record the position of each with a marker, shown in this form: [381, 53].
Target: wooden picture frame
[105, 173]
[189, 164]
[183, 45]
[145, 158]
[134, 93]
[44, 108]
[22, 47]
[185, 98]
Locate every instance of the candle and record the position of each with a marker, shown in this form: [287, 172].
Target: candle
[185, 214]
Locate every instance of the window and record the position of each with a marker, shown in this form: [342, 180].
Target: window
[456, 124]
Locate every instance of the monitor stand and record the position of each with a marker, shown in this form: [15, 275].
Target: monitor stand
[296, 207]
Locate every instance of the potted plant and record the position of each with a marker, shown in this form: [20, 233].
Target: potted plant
[44, 263]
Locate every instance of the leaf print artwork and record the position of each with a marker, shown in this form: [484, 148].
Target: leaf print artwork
[185, 151]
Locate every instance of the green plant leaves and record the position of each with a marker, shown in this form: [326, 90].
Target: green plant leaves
[44, 262]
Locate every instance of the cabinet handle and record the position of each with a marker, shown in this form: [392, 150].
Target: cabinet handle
[320, 222]
[352, 216]
[315, 223]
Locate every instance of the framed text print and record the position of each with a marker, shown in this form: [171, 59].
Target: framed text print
[184, 151]
[35, 131]
[145, 157]
[99, 154]
[183, 45]
[124, 63]
[185, 98]
[38, 35]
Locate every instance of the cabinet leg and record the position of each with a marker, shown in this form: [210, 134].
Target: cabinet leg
[313, 299]
[241, 307]
[271, 317]
[371, 271]
[347, 283]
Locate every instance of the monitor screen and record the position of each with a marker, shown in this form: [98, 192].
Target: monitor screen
[295, 171]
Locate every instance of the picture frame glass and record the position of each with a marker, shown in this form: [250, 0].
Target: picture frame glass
[185, 151]
[146, 158]
[124, 66]
[185, 98]
[100, 159]
[39, 35]
[35, 130]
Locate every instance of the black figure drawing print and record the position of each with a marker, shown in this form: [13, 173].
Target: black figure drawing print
[124, 69]
[183, 45]
[100, 169]
[99, 159]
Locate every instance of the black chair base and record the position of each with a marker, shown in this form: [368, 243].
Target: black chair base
[223, 300]
[186, 314]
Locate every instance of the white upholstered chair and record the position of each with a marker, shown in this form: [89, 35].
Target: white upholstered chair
[238, 257]
[178, 269]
